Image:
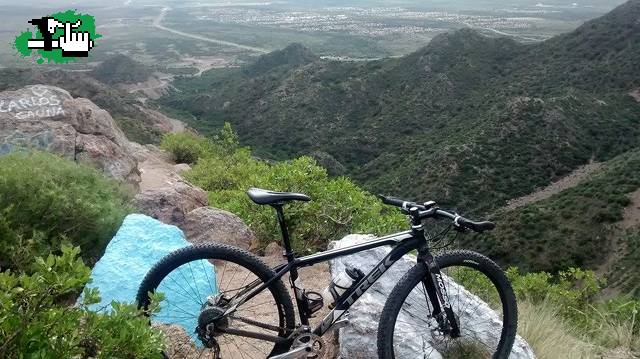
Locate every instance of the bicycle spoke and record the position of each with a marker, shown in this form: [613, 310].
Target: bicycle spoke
[190, 287]
[206, 272]
[194, 281]
[413, 323]
[181, 288]
[260, 315]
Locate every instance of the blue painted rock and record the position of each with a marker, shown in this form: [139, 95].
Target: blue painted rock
[141, 242]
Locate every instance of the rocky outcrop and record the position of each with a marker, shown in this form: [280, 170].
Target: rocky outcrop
[206, 224]
[162, 122]
[166, 196]
[358, 339]
[178, 342]
[50, 119]
[140, 243]
[171, 203]
[273, 249]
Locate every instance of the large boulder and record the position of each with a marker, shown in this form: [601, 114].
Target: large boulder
[206, 224]
[172, 202]
[164, 194]
[358, 339]
[49, 119]
[139, 244]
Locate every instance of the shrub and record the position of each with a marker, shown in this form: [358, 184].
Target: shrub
[45, 199]
[17, 250]
[567, 229]
[338, 206]
[34, 324]
[227, 140]
[185, 147]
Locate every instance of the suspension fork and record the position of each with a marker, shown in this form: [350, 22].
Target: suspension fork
[433, 282]
[437, 293]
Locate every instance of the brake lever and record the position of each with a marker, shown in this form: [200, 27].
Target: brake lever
[457, 226]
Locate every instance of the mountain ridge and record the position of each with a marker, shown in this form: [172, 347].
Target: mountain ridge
[439, 113]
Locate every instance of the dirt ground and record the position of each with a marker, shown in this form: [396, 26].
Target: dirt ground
[558, 186]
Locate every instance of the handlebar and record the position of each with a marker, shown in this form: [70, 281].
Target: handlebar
[429, 209]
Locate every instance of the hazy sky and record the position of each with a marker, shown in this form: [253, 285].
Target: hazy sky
[319, 3]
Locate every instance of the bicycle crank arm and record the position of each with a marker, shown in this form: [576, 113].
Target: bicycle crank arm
[297, 353]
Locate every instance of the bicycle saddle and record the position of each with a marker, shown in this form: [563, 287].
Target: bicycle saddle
[262, 196]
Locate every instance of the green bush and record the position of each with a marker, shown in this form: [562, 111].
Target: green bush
[34, 325]
[625, 274]
[338, 206]
[187, 147]
[571, 291]
[45, 199]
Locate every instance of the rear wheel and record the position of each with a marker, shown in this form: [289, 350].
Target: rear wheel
[200, 283]
[482, 301]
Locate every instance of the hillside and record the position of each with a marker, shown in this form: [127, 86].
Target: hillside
[292, 55]
[120, 69]
[468, 120]
[138, 124]
[579, 226]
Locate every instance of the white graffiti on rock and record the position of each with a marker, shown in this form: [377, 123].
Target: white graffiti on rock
[42, 104]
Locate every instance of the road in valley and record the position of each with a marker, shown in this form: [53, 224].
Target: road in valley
[157, 23]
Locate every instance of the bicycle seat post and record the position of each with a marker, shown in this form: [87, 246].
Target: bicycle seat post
[284, 230]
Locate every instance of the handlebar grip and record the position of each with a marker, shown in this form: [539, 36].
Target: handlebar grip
[392, 201]
[476, 226]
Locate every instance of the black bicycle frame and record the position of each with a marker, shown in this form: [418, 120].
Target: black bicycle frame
[403, 242]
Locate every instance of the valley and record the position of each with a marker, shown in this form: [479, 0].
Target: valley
[525, 113]
[185, 36]
[477, 105]
[470, 120]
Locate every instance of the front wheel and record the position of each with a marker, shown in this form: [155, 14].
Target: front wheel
[482, 301]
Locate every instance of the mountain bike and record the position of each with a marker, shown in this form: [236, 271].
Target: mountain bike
[457, 303]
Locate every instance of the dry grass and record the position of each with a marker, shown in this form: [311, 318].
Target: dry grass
[550, 336]
[618, 335]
